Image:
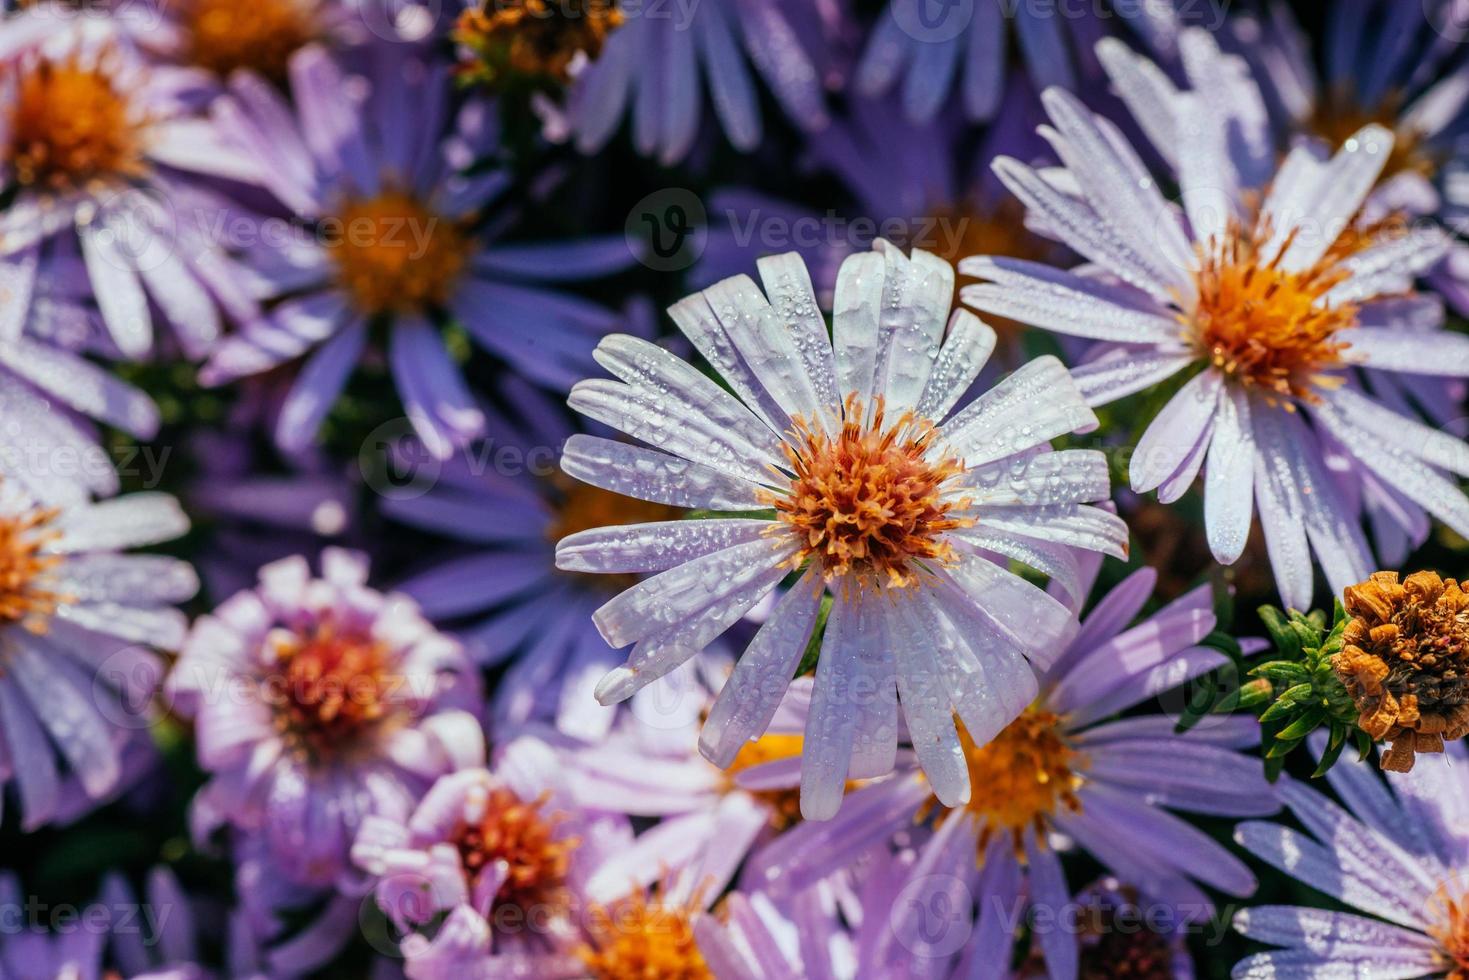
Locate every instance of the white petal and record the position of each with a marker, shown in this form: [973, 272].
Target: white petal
[1229, 487]
[647, 474]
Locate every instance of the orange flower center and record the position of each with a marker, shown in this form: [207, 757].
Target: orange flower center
[69, 126]
[785, 804]
[395, 255]
[966, 229]
[1338, 117]
[258, 36]
[1449, 908]
[642, 940]
[519, 834]
[1267, 328]
[532, 38]
[336, 686]
[1020, 779]
[869, 502]
[25, 596]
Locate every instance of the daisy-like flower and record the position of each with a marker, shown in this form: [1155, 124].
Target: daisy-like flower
[103, 166]
[656, 64]
[1264, 293]
[318, 702]
[79, 620]
[390, 246]
[879, 497]
[1395, 853]
[929, 50]
[1061, 771]
[511, 846]
[1395, 65]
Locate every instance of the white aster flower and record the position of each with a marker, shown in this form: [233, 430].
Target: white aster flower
[873, 493]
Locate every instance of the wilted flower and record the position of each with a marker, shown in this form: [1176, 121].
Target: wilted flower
[1396, 852]
[1263, 292]
[317, 703]
[79, 621]
[876, 500]
[391, 240]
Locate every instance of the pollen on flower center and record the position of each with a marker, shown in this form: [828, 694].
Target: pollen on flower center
[1265, 327]
[869, 502]
[25, 596]
[393, 254]
[535, 38]
[1405, 662]
[259, 36]
[523, 837]
[785, 804]
[642, 938]
[69, 125]
[335, 685]
[1020, 779]
[1449, 911]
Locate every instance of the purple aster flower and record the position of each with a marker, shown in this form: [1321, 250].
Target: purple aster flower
[79, 619]
[928, 49]
[116, 204]
[876, 499]
[1060, 774]
[28, 950]
[1263, 292]
[655, 66]
[318, 702]
[1399, 65]
[389, 237]
[1396, 853]
[512, 846]
[156, 938]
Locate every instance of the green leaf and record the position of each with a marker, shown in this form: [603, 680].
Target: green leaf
[1303, 726]
[1284, 638]
[1334, 746]
[1286, 702]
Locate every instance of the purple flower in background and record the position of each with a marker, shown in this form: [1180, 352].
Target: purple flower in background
[875, 499]
[1396, 851]
[1263, 291]
[655, 67]
[318, 702]
[927, 49]
[1401, 66]
[80, 620]
[507, 502]
[157, 938]
[1060, 768]
[390, 239]
[109, 173]
[511, 846]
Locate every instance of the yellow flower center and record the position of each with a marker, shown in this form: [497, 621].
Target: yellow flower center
[25, 596]
[1405, 662]
[258, 35]
[335, 686]
[532, 38]
[1338, 117]
[520, 834]
[1449, 910]
[1020, 779]
[785, 804]
[69, 126]
[642, 940]
[869, 503]
[395, 255]
[1270, 329]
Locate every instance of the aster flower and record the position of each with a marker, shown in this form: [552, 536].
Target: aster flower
[78, 618]
[122, 185]
[927, 52]
[1396, 65]
[877, 500]
[655, 64]
[390, 241]
[1059, 772]
[318, 702]
[27, 950]
[1395, 854]
[512, 845]
[1263, 294]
